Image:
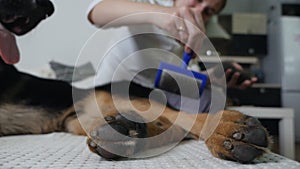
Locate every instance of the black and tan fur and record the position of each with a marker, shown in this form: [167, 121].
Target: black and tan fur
[32, 105]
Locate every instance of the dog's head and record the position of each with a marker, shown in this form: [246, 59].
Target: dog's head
[21, 16]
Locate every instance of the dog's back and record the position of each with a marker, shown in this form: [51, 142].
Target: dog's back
[28, 102]
[59, 93]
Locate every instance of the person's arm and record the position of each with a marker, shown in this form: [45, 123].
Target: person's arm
[185, 24]
[107, 11]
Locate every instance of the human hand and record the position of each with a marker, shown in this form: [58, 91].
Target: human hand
[236, 77]
[231, 74]
[187, 26]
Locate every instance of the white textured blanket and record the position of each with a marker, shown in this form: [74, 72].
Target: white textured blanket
[62, 150]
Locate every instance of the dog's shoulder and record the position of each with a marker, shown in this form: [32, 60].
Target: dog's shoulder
[22, 88]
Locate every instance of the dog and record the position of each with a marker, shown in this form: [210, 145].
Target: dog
[117, 123]
[32, 105]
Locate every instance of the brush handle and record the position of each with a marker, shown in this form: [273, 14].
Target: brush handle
[186, 59]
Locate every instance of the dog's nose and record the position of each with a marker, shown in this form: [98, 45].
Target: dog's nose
[47, 5]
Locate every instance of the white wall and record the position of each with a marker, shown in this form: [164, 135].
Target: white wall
[58, 38]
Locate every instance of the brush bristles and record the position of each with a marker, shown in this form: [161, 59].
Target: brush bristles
[180, 84]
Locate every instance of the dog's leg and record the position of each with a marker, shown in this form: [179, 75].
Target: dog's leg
[228, 135]
[21, 119]
[102, 122]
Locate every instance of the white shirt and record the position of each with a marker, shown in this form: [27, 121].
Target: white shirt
[139, 48]
[131, 52]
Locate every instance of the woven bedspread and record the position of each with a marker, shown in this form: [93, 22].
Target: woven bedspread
[62, 150]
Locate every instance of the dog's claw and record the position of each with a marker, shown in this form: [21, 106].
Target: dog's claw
[133, 133]
[238, 136]
[228, 145]
[93, 133]
[92, 144]
[109, 118]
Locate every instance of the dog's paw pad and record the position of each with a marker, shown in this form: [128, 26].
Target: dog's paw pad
[251, 121]
[246, 153]
[256, 136]
[119, 137]
[242, 153]
[239, 138]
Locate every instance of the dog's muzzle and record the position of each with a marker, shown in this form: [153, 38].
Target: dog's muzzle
[21, 16]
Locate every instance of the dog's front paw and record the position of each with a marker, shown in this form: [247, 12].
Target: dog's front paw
[239, 138]
[119, 137]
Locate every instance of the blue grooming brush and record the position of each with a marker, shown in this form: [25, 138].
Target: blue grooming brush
[169, 77]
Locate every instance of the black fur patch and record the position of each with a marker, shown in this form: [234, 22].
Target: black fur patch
[21, 16]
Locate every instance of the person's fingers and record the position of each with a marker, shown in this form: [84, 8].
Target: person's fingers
[174, 24]
[233, 81]
[228, 72]
[199, 19]
[237, 66]
[254, 79]
[188, 50]
[188, 16]
[245, 84]
[190, 23]
[193, 28]
[187, 27]
[179, 29]
[197, 30]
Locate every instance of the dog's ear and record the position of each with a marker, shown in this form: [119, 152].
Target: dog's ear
[21, 16]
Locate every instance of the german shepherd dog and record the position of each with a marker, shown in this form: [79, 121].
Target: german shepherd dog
[113, 123]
